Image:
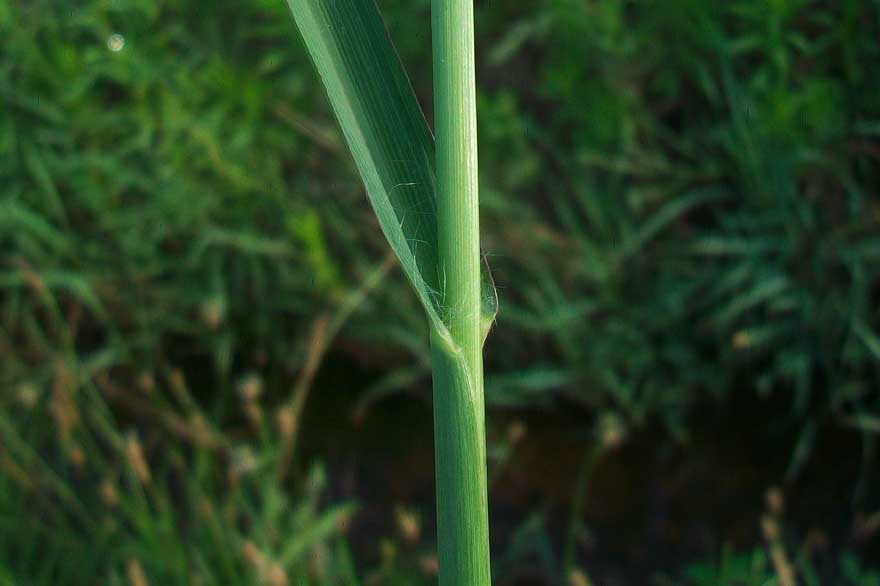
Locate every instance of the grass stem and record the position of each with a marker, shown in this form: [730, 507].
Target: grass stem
[459, 422]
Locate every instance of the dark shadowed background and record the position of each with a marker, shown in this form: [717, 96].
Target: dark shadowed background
[213, 372]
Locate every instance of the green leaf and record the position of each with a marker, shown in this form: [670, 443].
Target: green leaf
[868, 337]
[387, 134]
[318, 531]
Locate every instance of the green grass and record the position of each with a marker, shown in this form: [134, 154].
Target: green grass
[459, 404]
[678, 202]
[428, 209]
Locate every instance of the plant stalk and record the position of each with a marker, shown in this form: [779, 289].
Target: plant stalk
[459, 420]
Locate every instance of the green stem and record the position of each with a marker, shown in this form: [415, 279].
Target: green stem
[459, 422]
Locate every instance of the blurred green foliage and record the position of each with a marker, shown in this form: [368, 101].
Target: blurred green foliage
[680, 206]
[702, 212]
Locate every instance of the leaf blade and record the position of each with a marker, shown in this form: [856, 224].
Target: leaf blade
[387, 134]
[383, 126]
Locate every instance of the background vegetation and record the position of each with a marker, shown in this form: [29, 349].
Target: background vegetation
[213, 373]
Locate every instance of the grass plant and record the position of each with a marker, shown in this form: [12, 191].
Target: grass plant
[684, 194]
[427, 205]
